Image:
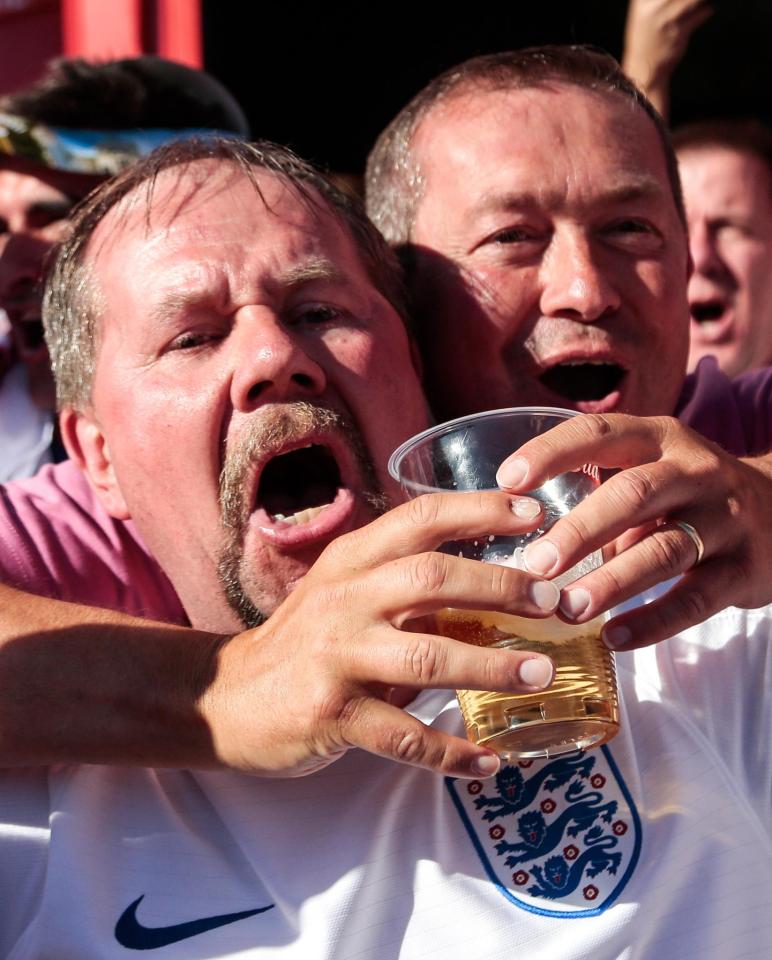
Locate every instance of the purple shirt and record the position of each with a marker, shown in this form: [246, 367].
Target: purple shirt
[736, 414]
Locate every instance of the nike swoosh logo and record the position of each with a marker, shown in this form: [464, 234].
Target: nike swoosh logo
[130, 933]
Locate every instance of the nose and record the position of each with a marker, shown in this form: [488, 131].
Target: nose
[273, 363]
[704, 251]
[573, 283]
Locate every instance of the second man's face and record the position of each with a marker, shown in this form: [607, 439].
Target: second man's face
[551, 260]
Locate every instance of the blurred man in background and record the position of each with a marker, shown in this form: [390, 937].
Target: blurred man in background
[79, 124]
[726, 172]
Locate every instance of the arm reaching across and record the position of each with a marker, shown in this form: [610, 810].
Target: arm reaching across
[668, 473]
[657, 33]
[329, 670]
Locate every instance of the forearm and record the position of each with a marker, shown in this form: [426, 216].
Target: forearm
[85, 685]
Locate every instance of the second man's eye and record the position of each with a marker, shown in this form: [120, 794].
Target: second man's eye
[317, 314]
[513, 235]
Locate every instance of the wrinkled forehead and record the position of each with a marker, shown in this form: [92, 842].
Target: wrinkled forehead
[212, 226]
[557, 120]
[219, 191]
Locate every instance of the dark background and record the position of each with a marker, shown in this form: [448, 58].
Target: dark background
[327, 80]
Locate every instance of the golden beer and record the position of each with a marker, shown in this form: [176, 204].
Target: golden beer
[580, 709]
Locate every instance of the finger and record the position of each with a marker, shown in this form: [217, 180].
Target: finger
[389, 732]
[428, 521]
[694, 16]
[427, 660]
[701, 593]
[426, 582]
[664, 553]
[607, 440]
[633, 498]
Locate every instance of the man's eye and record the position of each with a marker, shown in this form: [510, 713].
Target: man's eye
[630, 226]
[317, 314]
[513, 235]
[190, 340]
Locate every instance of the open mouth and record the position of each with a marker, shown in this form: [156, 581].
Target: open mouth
[707, 312]
[296, 486]
[582, 380]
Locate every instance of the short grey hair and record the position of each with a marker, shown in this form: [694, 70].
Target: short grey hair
[393, 181]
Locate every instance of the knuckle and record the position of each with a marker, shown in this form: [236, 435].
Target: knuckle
[597, 425]
[634, 487]
[348, 713]
[572, 529]
[424, 510]
[500, 582]
[695, 606]
[669, 552]
[608, 582]
[424, 659]
[408, 746]
[331, 707]
[428, 572]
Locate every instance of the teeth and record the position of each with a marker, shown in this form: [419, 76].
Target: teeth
[709, 326]
[302, 516]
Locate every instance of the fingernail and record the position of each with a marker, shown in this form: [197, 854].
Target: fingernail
[544, 594]
[536, 672]
[540, 557]
[616, 637]
[525, 508]
[573, 603]
[513, 473]
[486, 765]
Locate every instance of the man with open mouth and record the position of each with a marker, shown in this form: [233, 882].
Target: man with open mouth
[239, 409]
[726, 173]
[535, 199]
[59, 139]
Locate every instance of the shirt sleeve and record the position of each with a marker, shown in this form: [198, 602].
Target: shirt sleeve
[56, 540]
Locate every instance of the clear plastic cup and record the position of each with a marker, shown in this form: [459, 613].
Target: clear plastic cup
[581, 707]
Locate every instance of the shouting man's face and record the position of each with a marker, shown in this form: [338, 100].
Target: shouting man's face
[550, 259]
[250, 383]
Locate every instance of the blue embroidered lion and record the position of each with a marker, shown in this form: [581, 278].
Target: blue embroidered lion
[538, 838]
[560, 878]
[516, 793]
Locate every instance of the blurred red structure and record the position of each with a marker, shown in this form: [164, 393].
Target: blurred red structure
[33, 31]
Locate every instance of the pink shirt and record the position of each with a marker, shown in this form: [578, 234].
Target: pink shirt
[57, 540]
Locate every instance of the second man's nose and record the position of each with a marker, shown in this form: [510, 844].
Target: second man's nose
[574, 283]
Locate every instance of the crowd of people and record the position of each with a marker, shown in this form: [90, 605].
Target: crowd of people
[226, 728]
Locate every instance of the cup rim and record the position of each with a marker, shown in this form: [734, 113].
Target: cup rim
[448, 425]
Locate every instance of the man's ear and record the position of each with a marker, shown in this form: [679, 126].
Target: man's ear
[86, 444]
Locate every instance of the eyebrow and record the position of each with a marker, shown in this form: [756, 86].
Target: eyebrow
[313, 269]
[641, 187]
[309, 271]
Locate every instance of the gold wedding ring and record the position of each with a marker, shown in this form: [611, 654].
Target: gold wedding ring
[692, 534]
